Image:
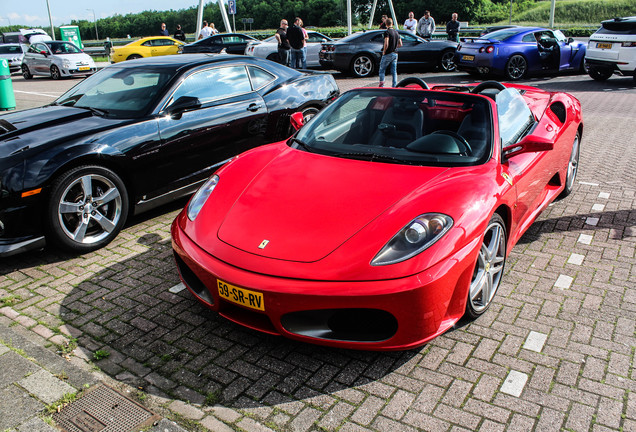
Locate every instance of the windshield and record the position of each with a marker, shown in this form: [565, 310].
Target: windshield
[63, 48]
[402, 126]
[118, 92]
[501, 34]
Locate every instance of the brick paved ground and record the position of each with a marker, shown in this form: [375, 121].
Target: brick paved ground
[554, 352]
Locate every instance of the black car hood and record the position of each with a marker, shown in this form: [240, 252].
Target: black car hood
[36, 127]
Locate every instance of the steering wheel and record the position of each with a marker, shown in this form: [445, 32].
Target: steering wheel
[413, 80]
[467, 149]
[488, 85]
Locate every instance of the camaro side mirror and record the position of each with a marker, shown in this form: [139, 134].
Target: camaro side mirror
[529, 144]
[184, 103]
[297, 120]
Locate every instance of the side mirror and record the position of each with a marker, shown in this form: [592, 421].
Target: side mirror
[529, 144]
[43, 52]
[297, 120]
[184, 103]
[570, 40]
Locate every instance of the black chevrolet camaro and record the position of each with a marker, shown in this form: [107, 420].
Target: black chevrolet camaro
[359, 54]
[136, 135]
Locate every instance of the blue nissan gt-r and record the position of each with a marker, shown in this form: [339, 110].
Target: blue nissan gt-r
[516, 52]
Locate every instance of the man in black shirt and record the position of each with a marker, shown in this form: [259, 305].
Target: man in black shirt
[392, 42]
[179, 34]
[296, 39]
[283, 43]
[452, 28]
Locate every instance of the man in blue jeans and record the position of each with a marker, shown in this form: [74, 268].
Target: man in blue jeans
[392, 42]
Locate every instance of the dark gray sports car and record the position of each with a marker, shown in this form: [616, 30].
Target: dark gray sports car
[360, 53]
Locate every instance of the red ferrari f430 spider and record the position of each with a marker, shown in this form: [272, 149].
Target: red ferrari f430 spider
[385, 219]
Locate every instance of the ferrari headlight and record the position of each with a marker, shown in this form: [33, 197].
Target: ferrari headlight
[415, 237]
[201, 196]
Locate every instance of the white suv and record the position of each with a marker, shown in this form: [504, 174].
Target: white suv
[612, 49]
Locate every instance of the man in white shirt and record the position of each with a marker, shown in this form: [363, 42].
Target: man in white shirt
[205, 31]
[426, 26]
[410, 24]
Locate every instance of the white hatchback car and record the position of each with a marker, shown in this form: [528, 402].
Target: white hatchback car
[57, 59]
[268, 48]
[612, 49]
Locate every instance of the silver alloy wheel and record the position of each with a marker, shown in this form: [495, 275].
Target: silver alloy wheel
[573, 164]
[362, 66]
[90, 209]
[516, 67]
[309, 113]
[448, 61]
[26, 73]
[489, 269]
[55, 72]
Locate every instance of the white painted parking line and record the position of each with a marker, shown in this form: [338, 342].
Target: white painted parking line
[563, 282]
[514, 383]
[38, 94]
[576, 259]
[591, 221]
[598, 207]
[535, 341]
[604, 195]
[177, 288]
[585, 239]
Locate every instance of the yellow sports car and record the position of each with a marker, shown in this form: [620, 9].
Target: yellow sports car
[145, 47]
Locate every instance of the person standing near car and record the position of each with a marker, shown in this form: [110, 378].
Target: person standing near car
[283, 43]
[296, 41]
[213, 30]
[392, 42]
[179, 34]
[205, 31]
[164, 31]
[426, 26]
[410, 25]
[383, 23]
[305, 38]
[452, 28]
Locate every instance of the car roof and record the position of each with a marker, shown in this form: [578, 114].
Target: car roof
[179, 61]
[629, 19]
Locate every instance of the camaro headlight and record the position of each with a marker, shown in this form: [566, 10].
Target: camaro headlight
[66, 64]
[201, 196]
[414, 238]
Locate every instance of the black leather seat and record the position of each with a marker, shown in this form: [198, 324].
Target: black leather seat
[400, 125]
[475, 129]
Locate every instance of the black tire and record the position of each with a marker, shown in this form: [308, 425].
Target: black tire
[26, 73]
[81, 221]
[489, 268]
[274, 57]
[309, 112]
[55, 72]
[573, 167]
[133, 57]
[600, 73]
[516, 67]
[447, 61]
[362, 66]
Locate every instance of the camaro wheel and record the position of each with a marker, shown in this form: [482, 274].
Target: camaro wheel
[26, 73]
[489, 268]
[516, 67]
[55, 72]
[447, 61]
[87, 208]
[362, 66]
[599, 73]
[133, 56]
[573, 167]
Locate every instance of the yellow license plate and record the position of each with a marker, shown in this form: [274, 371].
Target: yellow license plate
[84, 68]
[604, 45]
[247, 298]
[468, 57]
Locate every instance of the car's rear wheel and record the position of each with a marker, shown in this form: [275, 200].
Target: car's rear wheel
[489, 268]
[87, 208]
[600, 73]
[26, 73]
[516, 67]
[573, 167]
[274, 57]
[55, 72]
[133, 56]
[447, 61]
[362, 66]
[309, 113]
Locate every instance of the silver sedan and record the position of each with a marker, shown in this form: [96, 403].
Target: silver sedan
[13, 52]
[268, 48]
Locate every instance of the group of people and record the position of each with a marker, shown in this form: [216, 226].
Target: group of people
[425, 28]
[179, 34]
[292, 44]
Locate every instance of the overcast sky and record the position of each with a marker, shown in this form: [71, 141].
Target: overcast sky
[34, 12]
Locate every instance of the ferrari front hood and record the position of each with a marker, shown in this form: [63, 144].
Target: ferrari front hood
[303, 206]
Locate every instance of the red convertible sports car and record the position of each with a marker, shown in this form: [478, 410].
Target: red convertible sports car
[385, 219]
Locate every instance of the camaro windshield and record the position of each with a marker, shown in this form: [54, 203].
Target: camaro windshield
[402, 126]
[118, 92]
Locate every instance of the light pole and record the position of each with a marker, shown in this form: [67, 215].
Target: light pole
[95, 20]
[50, 20]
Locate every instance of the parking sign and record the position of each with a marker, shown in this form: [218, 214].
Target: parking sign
[231, 5]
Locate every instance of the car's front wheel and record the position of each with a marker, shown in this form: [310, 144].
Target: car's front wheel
[55, 72]
[447, 61]
[87, 208]
[489, 268]
[362, 66]
[516, 67]
[573, 167]
[26, 73]
[600, 73]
